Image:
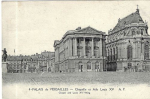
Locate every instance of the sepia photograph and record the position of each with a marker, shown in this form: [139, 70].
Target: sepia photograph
[75, 49]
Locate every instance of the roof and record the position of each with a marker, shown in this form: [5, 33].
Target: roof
[90, 30]
[132, 18]
[43, 55]
[85, 30]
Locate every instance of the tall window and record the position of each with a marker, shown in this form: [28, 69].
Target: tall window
[17, 66]
[80, 64]
[129, 52]
[78, 53]
[108, 55]
[142, 31]
[146, 52]
[88, 65]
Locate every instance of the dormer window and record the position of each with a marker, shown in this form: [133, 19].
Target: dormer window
[124, 33]
[124, 22]
[133, 32]
[140, 19]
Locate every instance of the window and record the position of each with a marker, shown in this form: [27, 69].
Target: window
[97, 65]
[142, 31]
[88, 65]
[129, 52]
[133, 32]
[80, 63]
[78, 52]
[111, 55]
[17, 67]
[25, 67]
[146, 52]
[108, 55]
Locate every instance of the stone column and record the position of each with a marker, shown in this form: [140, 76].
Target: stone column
[92, 49]
[143, 45]
[134, 50]
[118, 51]
[84, 47]
[139, 50]
[47, 64]
[75, 49]
[100, 48]
[149, 52]
[70, 47]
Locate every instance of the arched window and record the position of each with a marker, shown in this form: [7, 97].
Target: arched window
[133, 32]
[89, 65]
[146, 52]
[129, 52]
[79, 64]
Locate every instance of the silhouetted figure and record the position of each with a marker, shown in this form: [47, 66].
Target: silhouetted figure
[4, 56]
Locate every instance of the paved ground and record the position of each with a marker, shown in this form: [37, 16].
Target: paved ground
[79, 78]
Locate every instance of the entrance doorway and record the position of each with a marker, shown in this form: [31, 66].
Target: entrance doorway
[97, 66]
[80, 67]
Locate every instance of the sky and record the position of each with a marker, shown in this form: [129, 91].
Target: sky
[31, 27]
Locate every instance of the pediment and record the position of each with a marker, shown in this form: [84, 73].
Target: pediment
[90, 30]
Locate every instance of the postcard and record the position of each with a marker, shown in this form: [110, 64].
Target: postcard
[75, 50]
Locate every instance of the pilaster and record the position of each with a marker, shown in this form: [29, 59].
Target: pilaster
[75, 47]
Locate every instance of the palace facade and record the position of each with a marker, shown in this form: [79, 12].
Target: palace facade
[43, 62]
[128, 45]
[126, 48]
[80, 50]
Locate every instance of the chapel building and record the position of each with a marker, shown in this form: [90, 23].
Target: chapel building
[128, 45]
